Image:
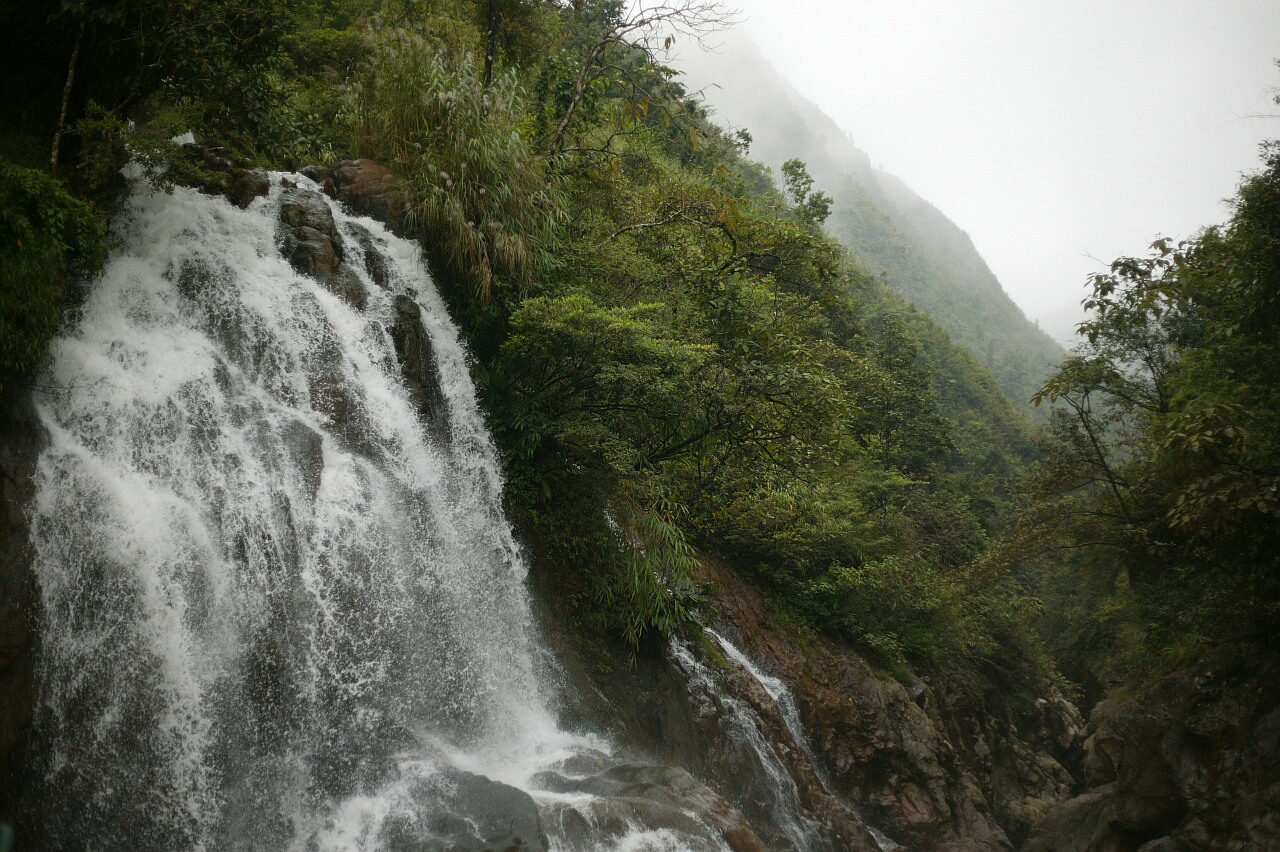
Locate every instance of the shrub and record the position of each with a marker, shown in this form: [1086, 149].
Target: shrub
[43, 232]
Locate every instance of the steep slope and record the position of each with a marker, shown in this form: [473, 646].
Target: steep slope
[919, 252]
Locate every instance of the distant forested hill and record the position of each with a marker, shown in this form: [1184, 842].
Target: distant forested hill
[919, 251]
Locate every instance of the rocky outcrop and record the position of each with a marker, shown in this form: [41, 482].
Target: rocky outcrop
[222, 176]
[1191, 763]
[370, 189]
[937, 766]
[310, 241]
[932, 765]
[418, 363]
[309, 236]
[21, 439]
[374, 262]
[659, 797]
[463, 812]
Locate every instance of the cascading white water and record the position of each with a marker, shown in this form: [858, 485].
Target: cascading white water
[278, 611]
[773, 687]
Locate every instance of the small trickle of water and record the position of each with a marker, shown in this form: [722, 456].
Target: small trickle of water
[772, 784]
[781, 695]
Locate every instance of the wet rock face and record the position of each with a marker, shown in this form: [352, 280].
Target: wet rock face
[654, 796]
[244, 185]
[310, 235]
[934, 765]
[310, 241]
[306, 447]
[374, 263]
[237, 184]
[418, 363]
[700, 713]
[1192, 763]
[21, 440]
[468, 813]
[368, 188]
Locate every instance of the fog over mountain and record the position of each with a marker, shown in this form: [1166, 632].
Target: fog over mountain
[1059, 136]
[899, 235]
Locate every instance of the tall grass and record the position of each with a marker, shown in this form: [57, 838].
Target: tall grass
[479, 196]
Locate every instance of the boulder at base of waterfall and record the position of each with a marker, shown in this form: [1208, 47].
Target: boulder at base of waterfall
[658, 797]
[463, 812]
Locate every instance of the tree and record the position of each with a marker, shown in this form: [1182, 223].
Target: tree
[1165, 457]
[810, 207]
[645, 26]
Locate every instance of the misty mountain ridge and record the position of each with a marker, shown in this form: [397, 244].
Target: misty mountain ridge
[914, 247]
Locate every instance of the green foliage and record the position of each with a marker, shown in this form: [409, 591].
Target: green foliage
[918, 253]
[44, 234]
[596, 388]
[219, 58]
[811, 207]
[676, 359]
[652, 586]
[1165, 463]
[321, 51]
[107, 144]
[708, 342]
[482, 202]
[892, 606]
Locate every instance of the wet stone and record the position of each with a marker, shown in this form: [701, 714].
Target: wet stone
[374, 263]
[373, 190]
[244, 185]
[305, 447]
[418, 363]
[346, 285]
[463, 812]
[310, 240]
[654, 796]
[311, 243]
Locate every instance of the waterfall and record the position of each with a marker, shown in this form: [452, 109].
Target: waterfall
[773, 687]
[281, 606]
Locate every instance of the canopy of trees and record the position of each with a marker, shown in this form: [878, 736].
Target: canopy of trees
[1158, 499]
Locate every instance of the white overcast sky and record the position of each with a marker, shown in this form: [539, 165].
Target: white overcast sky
[1051, 132]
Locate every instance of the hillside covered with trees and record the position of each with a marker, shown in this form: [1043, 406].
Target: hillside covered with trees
[914, 248]
[685, 358]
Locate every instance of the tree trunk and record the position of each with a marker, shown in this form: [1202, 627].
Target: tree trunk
[66, 99]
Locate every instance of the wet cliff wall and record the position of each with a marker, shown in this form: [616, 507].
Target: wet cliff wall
[21, 440]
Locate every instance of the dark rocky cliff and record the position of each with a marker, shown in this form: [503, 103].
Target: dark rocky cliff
[1189, 763]
[21, 439]
[936, 765]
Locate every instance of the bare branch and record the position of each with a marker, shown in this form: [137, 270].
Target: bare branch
[649, 26]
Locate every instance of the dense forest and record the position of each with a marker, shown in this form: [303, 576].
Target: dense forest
[679, 360]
